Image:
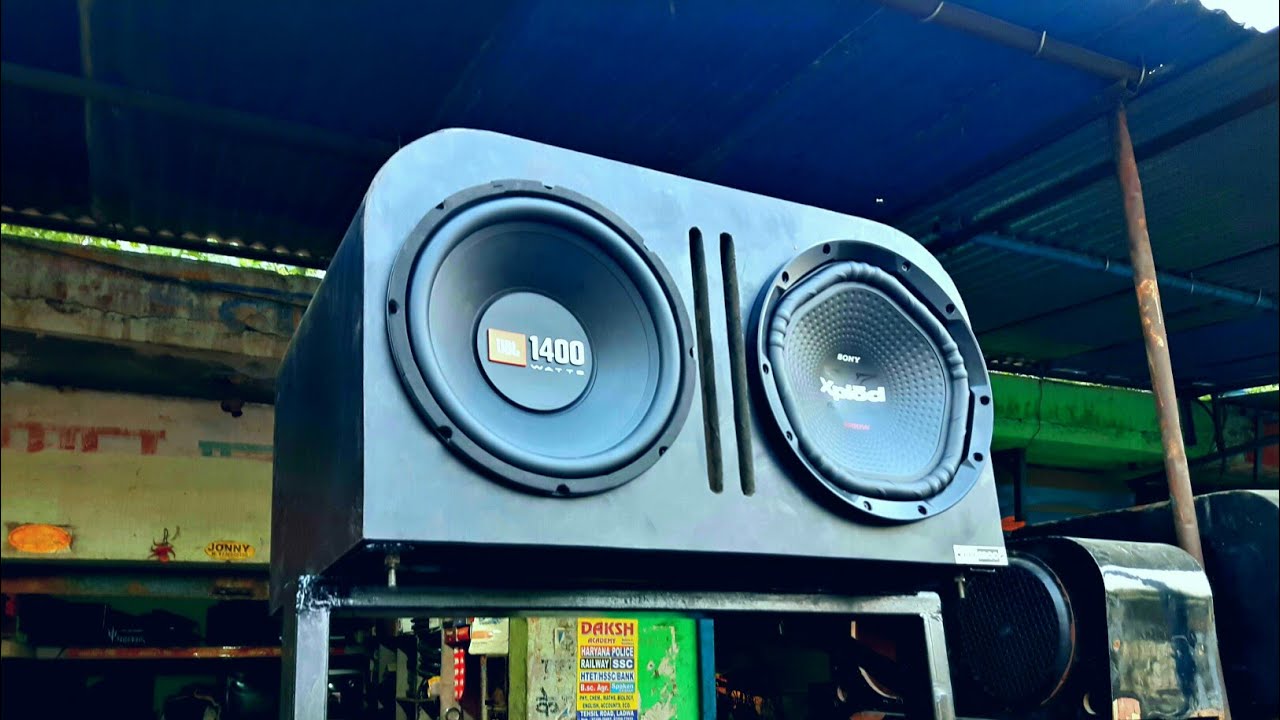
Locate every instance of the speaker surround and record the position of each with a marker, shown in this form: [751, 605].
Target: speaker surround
[873, 380]
[594, 381]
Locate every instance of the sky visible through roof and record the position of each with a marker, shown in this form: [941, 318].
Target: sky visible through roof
[1261, 15]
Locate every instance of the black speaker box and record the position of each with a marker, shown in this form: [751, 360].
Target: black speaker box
[521, 347]
[1076, 627]
[1240, 535]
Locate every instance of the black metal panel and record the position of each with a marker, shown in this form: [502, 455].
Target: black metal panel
[316, 499]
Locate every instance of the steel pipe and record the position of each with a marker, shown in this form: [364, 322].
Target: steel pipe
[1254, 445]
[1036, 43]
[1146, 283]
[1122, 269]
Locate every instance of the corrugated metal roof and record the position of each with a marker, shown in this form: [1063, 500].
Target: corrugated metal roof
[1211, 192]
[264, 123]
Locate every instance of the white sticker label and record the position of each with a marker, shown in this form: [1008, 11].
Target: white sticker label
[980, 555]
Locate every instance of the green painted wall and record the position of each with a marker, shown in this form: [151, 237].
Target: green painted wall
[668, 676]
[1085, 426]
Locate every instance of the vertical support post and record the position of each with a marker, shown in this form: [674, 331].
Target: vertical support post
[707, 666]
[518, 669]
[1185, 525]
[935, 651]
[1019, 485]
[484, 687]
[447, 701]
[304, 681]
[1257, 451]
[1156, 341]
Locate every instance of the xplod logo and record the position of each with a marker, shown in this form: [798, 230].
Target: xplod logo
[543, 354]
[856, 393]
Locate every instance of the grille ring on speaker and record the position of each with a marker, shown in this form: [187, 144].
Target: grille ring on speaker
[874, 380]
[539, 338]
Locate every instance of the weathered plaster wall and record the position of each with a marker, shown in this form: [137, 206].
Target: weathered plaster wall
[81, 316]
[119, 470]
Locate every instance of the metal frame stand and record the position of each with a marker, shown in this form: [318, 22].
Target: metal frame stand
[304, 688]
[304, 681]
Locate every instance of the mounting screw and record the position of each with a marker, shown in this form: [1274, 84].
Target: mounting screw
[392, 562]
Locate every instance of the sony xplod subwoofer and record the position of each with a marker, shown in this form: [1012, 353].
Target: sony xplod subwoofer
[871, 377]
[521, 347]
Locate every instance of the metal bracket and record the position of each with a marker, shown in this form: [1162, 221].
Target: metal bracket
[304, 682]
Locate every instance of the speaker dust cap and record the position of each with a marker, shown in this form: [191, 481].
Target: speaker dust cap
[548, 367]
[539, 338]
[874, 381]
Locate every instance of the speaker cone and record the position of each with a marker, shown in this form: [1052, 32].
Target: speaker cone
[873, 380]
[540, 338]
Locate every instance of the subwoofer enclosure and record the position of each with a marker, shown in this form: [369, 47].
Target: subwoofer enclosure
[528, 349]
[1240, 535]
[1077, 627]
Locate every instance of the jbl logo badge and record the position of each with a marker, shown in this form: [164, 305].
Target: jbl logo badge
[507, 348]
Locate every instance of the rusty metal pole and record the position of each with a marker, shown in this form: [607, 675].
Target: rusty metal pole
[1185, 525]
[1157, 342]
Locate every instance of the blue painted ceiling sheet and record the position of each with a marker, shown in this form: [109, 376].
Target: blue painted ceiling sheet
[846, 105]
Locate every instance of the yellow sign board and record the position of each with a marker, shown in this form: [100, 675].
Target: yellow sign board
[229, 550]
[40, 538]
[607, 687]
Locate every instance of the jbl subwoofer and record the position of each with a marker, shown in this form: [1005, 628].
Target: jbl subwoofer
[518, 346]
[540, 338]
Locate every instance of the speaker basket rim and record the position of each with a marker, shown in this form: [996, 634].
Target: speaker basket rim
[945, 309]
[395, 310]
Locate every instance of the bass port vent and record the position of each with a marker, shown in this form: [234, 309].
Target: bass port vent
[737, 365]
[706, 362]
